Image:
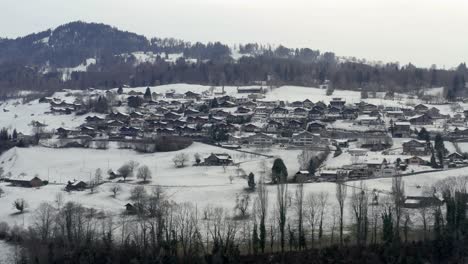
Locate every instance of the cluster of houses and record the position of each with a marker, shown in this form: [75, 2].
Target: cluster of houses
[249, 119]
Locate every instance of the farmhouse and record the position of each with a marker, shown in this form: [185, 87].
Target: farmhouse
[415, 160]
[421, 120]
[76, 186]
[32, 183]
[421, 202]
[249, 90]
[416, 147]
[421, 109]
[302, 176]
[305, 138]
[218, 159]
[261, 139]
[337, 103]
[455, 156]
[402, 129]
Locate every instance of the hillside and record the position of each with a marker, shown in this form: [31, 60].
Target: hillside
[80, 55]
[70, 44]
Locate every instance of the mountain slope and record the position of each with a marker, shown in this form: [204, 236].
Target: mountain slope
[70, 44]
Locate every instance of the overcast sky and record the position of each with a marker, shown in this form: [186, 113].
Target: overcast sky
[419, 31]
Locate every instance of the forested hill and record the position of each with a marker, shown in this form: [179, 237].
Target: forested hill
[80, 55]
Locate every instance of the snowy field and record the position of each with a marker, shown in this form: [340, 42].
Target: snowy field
[7, 253]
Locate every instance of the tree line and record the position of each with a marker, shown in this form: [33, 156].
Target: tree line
[279, 225]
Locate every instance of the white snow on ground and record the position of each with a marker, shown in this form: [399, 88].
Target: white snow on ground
[19, 115]
[438, 91]
[66, 72]
[7, 253]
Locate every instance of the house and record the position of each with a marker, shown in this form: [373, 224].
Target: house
[305, 138]
[250, 90]
[416, 147]
[395, 114]
[315, 126]
[342, 143]
[300, 111]
[337, 103]
[273, 126]
[357, 171]
[349, 113]
[401, 129]
[129, 131]
[315, 114]
[434, 113]
[32, 183]
[297, 104]
[192, 95]
[130, 209]
[421, 109]
[243, 110]
[294, 124]
[307, 103]
[302, 176]
[375, 141]
[94, 120]
[455, 156]
[251, 128]
[367, 120]
[365, 107]
[260, 139]
[459, 133]
[357, 152]
[421, 120]
[415, 202]
[332, 175]
[219, 159]
[415, 160]
[76, 186]
[280, 110]
[133, 208]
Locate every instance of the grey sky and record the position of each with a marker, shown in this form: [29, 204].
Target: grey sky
[418, 31]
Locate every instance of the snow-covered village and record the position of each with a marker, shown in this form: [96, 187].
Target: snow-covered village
[118, 147]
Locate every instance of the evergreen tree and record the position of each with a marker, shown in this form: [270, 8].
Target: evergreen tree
[120, 90]
[255, 239]
[148, 95]
[101, 105]
[439, 144]
[312, 167]
[433, 161]
[423, 134]
[251, 181]
[279, 171]
[387, 228]
[214, 103]
[15, 134]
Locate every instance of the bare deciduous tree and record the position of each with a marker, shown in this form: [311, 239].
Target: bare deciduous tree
[299, 206]
[282, 207]
[144, 173]
[180, 160]
[312, 212]
[359, 208]
[20, 204]
[398, 196]
[242, 204]
[341, 191]
[262, 210]
[115, 189]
